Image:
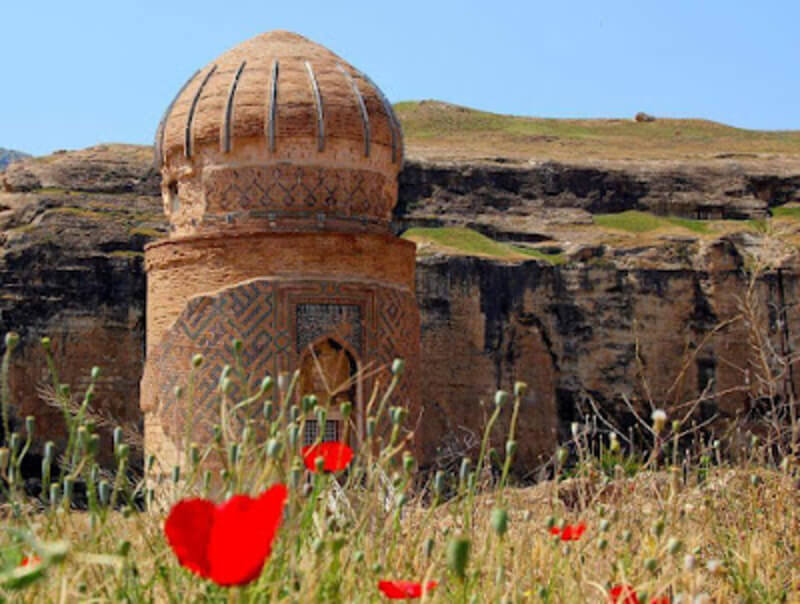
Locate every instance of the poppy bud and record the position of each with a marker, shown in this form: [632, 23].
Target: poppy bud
[500, 398]
[14, 443]
[659, 418]
[124, 548]
[650, 564]
[95, 373]
[322, 415]
[499, 521]
[206, 480]
[398, 367]
[226, 372]
[604, 525]
[30, 425]
[237, 345]
[602, 543]
[613, 444]
[676, 426]
[561, 455]
[176, 474]
[626, 536]
[458, 556]
[658, 527]
[408, 462]
[117, 437]
[194, 453]
[464, 471]
[274, 448]
[266, 385]
[371, 424]
[319, 464]
[526, 515]
[550, 522]
[225, 384]
[268, 406]
[122, 451]
[197, 360]
[575, 428]
[233, 453]
[151, 461]
[104, 490]
[45, 343]
[294, 413]
[674, 545]
[400, 500]
[69, 484]
[358, 556]
[309, 401]
[292, 433]
[428, 548]
[398, 414]
[511, 448]
[12, 339]
[54, 493]
[4, 456]
[520, 389]
[438, 483]
[94, 444]
[178, 391]
[346, 408]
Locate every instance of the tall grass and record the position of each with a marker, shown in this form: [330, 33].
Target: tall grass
[682, 516]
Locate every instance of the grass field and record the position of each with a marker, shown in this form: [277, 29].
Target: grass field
[435, 129]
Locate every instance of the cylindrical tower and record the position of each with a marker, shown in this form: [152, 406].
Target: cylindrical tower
[279, 163]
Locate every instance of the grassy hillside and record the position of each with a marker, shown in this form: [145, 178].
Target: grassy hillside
[437, 129]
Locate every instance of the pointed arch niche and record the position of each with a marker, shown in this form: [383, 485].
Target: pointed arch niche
[330, 370]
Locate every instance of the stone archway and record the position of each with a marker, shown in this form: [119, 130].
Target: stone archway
[329, 371]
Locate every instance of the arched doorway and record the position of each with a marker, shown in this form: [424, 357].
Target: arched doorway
[329, 371]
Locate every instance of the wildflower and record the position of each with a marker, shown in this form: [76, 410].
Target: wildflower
[570, 532]
[227, 543]
[404, 590]
[32, 561]
[622, 594]
[625, 594]
[335, 456]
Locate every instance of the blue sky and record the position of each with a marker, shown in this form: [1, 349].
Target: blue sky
[83, 72]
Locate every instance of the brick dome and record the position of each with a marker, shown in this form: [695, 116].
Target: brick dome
[279, 133]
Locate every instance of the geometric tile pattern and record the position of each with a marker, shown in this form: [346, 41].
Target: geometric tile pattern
[290, 189]
[277, 320]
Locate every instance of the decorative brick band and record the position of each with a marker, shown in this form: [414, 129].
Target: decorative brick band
[293, 189]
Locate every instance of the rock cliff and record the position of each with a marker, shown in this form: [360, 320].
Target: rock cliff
[587, 310]
[8, 155]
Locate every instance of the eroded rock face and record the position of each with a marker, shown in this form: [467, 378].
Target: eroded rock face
[624, 322]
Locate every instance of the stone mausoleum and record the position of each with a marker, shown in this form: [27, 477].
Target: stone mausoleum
[279, 164]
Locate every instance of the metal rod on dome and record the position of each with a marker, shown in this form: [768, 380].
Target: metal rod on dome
[273, 106]
[225, 143]
[361, 106]
[394, 125]
[187, 134]
[318, 101]
[162, 125]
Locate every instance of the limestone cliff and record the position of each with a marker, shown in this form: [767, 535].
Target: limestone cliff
[577, 306]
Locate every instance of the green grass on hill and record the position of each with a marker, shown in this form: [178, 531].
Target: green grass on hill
[787, 212]
[441, 130]
[641, 222]
[467, 241]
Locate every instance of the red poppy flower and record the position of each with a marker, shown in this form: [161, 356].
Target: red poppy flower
[661, 600]
[227, 543]
[405, 590]
[570, 532]
[32, 561]
[623, 594]
[336, 456]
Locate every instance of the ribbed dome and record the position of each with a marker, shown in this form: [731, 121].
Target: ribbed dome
[279, 133]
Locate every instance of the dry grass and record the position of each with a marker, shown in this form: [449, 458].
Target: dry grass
[440, 130]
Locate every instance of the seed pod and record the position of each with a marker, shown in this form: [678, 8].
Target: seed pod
[176, 474]
[268, 406]
[499, 521]
[238, 345]
[178, 391]
[45, 342]
[294, 413]
[117, 437]
[30, 425]
[266, 385]
[95, 373]
[151, 461]
[123, 451]
[292, 434]
[464, 470]
[604, 525]
[651, 564]
[233, 453]
[14, 443]
[322, 416]
[602, 543]
[194, 453]
[511, 448]
[438, 483]
[626, 536]
[346, 408]
[428, 547]
[520, 389]
[398, 415]
[55, 491]
[659, 418]
[408, 462]
[124, 548]
[658, 527]
[371, 425]
[197, 360]
[94, 444]
[458, 556]
[674, 545]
